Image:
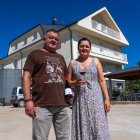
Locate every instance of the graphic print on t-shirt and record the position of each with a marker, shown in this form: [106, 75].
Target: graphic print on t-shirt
[54, 68]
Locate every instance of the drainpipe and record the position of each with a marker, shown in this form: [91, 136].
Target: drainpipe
[21, 57]
[71, 43]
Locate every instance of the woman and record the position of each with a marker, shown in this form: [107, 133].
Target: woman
[85, 74]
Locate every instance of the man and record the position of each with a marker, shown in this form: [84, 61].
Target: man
[47, 69]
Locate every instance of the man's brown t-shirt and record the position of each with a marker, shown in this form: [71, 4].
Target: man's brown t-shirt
[48, 72]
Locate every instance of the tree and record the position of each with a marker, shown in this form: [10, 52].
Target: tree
[116, 93]
[132, 85]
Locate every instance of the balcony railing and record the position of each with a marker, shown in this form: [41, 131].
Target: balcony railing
[98, 26]
[109, 53]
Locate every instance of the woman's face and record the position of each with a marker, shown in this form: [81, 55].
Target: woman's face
[84, 48]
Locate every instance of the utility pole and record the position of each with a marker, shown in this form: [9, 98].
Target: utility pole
[62, 20]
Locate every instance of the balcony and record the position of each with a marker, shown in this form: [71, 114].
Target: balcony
[106, 52]
[98, 26]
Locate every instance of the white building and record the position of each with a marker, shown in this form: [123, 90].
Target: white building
[106, 38]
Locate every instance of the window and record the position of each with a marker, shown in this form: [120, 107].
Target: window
[2, 66]
[94, 24]
[16, 64]
[20, 91]
[120, 85]
[103, 27]
[101, 48]
[25, 41]
[104, 67]
[34, 36]
[15, 46]
[100, 44]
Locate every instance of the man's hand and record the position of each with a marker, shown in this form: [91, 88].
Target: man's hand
[30, 109]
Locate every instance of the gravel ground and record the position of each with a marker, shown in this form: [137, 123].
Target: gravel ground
[124, 123]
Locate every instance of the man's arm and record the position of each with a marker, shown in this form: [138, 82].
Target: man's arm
[29, 105]
[26, 81]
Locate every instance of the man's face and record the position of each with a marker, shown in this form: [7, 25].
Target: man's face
[51, 41]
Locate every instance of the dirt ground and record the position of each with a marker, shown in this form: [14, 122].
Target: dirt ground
[124, 123]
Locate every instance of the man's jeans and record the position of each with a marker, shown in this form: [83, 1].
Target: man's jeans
[59, 115]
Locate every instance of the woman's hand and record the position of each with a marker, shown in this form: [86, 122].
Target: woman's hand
[80, 82]
[107, 105]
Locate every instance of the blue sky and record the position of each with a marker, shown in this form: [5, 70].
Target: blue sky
[17, 17]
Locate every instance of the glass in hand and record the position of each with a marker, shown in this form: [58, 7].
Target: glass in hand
[82, 75]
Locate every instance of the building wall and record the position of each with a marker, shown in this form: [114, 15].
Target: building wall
[25, 40]
[65, 46]
[9, 78]
[109, 66]
[68, 48]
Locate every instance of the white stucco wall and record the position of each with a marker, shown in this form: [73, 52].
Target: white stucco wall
[28, 37]
[65, 46]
